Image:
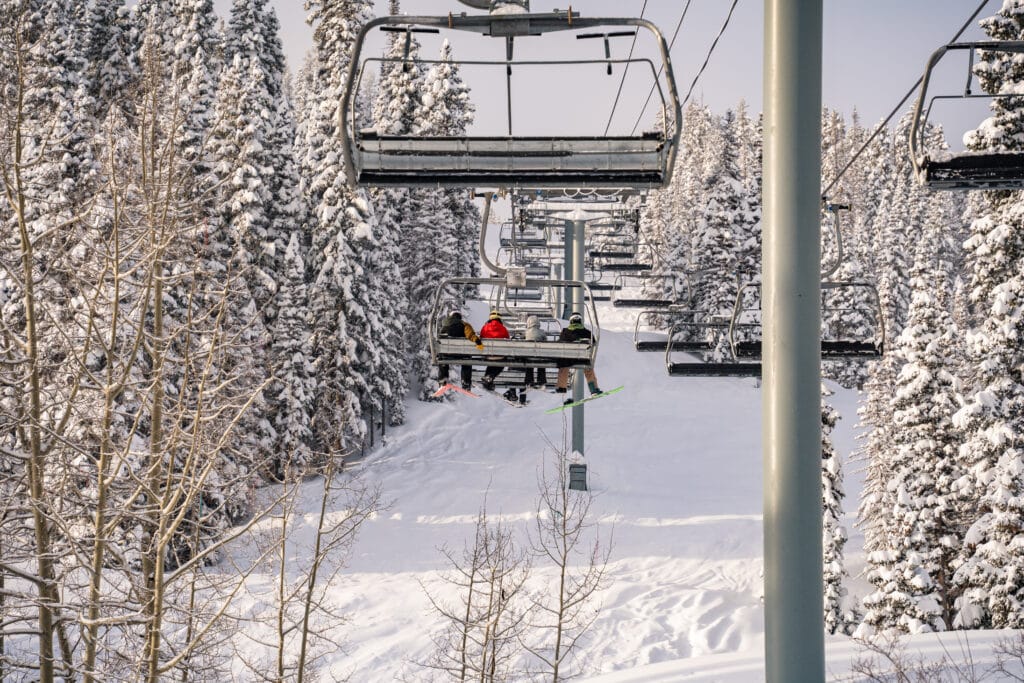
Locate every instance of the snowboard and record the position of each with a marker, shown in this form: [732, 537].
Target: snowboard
[500, 395]
[558, 409]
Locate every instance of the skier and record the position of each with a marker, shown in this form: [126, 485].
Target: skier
[576, 332]
[454, 327]
[535, 334]
[494, 329]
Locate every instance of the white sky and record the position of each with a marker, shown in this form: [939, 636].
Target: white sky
[873, 51]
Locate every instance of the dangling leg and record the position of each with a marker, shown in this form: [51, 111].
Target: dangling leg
[591, 381]
[563, 380]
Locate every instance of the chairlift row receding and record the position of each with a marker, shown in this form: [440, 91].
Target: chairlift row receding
[731, 345]
[566, 161]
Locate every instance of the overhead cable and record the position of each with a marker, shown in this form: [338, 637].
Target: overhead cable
[662, 67]
[881, 126]
[624, 72]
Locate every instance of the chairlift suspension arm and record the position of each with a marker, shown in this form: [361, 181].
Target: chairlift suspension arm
[508, 80]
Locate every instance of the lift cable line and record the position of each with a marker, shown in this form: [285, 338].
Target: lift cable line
[707, 59]
[671, 43]
[710, 51]
[622, 80]
[881, 126]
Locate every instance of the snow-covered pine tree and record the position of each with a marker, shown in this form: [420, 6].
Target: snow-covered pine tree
[253, 38]
[688, 193]
[447, 109]
[748, 133]
[992, 419]
[290, 396]
[110, 65]
[415, 217]
[236, 238]
[721, 216]
[925, 520]
[833, 534]
[337, 316]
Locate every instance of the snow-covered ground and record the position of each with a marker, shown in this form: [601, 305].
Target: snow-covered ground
[676, 468]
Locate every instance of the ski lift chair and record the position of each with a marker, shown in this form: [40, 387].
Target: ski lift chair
[702, 355]
[564, 161]
[512, 353]
[840, 301]
[942, 170]
[647, 339]
[637, 296]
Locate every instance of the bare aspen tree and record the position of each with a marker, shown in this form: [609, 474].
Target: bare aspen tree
[565, 538]
[304, 625]
[39, 387]
[480, 641]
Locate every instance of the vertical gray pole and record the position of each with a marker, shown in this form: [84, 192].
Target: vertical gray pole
[579, 238]
[794, 625]
[559, 292]
[570, 271]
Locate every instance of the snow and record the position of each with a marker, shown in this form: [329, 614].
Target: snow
[675, 466]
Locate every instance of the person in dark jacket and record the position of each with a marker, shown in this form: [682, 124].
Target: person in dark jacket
[493, 329]
[575, 332]
[454, 327]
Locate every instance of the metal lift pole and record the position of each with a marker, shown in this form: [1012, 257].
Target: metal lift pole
[578, 233]
[791, 394]
[570, 270]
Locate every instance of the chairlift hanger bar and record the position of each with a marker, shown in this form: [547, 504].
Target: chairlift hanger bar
[607, 45]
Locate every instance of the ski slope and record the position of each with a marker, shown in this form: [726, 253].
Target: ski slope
[675, 464]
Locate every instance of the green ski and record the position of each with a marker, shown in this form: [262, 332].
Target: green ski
[560, 408]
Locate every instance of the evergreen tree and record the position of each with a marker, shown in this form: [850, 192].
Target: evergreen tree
[413, 217]
[290, 396]
[992, 419]
[336, 213]
[833, 533]
[722, 215]
[926, 518]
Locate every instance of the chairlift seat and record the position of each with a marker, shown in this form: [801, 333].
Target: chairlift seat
[612, 254]
[997, 171]
[854, 349]
[625, 267]
[514, 353]
[830, 349]
[651, 344]
[730, 369]
[457, 161]
[642, 303]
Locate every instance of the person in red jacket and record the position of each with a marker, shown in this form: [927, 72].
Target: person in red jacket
[493, 329]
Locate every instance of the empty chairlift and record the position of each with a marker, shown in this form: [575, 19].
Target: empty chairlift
[646, 291]
[940, 169]
[851, 317]
[566, 160]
